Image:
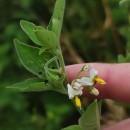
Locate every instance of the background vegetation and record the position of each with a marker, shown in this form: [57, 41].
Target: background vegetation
[93, 31]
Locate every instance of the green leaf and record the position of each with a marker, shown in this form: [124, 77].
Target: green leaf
[40, 28]
[29, 28]
[124, 3]
[26, 85]
[55, 23]
[49, 27]
[46, 38]
[34, 84]
[73, 127]
[90, 120]
[30, 58]
[59, 82]
[99, 106]
[121, 59]
[55, 80]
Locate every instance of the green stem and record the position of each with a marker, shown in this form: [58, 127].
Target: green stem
[62, 64]
[51, 60]
[56, 61]
[57, 64]
[48, 62]
[81, 111]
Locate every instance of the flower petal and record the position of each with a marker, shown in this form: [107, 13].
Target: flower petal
[78, 92]
[93, 73]
[76, 85]
[70, 91]
[85, 81]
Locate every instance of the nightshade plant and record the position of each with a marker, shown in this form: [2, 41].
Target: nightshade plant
[45, 61]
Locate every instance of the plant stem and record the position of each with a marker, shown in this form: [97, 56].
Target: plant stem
[48, 62]
[62, 64]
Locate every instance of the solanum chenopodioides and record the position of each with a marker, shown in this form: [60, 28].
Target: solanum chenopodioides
[45, 61]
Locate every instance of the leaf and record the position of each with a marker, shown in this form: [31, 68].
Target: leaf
[34, 84]
[90, 120]
[30, 58]
[26, 85]
[99, 106]
[55, 80]
[46, 38]
[40, 28]
[121, 59]
[59, 82]
[73, 127]
[55, 23]
[49, 27]
[124, 2]
[29, 29]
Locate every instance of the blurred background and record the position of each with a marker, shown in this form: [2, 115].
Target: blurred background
[93, 31]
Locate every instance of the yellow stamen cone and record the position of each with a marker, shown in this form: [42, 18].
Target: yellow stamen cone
[77, 102]
[100, 81]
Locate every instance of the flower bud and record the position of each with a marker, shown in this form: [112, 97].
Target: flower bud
[94, 91]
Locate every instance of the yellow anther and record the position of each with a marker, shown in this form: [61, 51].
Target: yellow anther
[100, 81]
[77, 102]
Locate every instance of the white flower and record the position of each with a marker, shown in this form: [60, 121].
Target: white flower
[70, 91]
[93, 73]
[90, 80]
[76, 85]
[76, 90]
[85, 81]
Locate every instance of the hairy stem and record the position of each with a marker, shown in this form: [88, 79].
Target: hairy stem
[62, 64]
